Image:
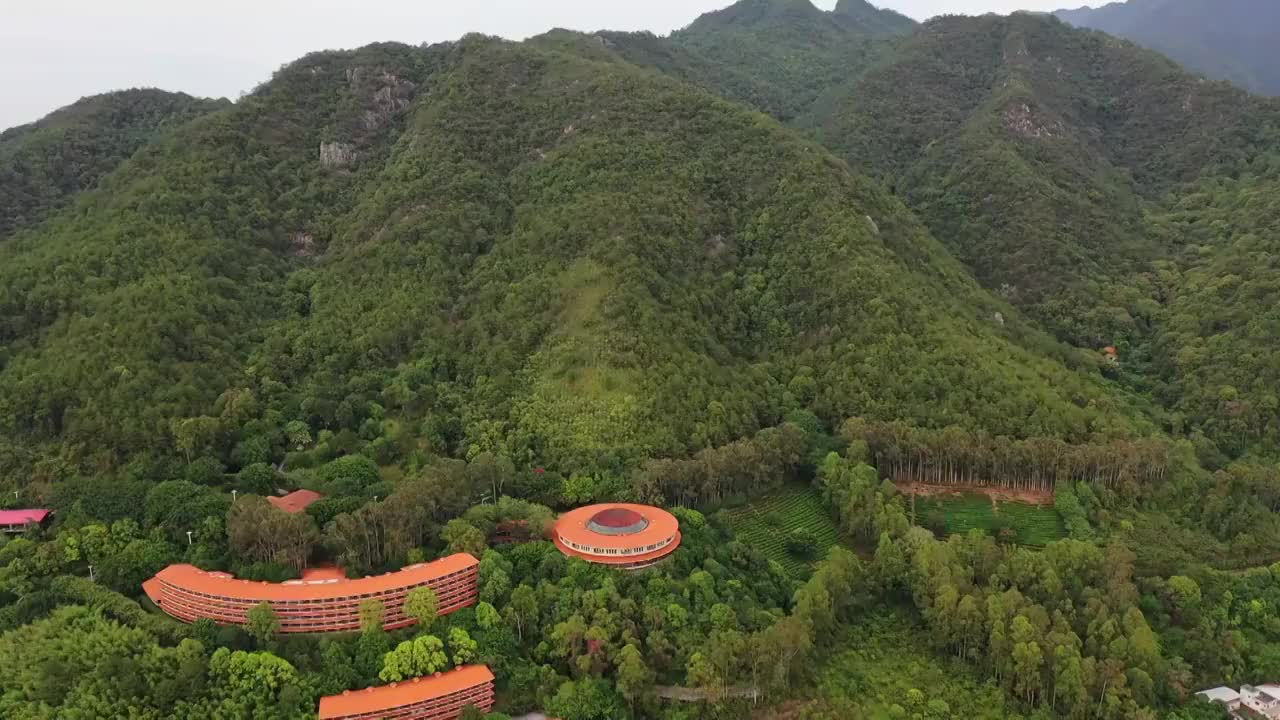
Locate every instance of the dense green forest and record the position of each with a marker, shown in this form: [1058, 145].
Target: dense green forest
[1066, 170]
[564, 261]
[1075, 629]
[780, 56]
[780, 253]
[777, 56]
[1040, 157]
[44, 165]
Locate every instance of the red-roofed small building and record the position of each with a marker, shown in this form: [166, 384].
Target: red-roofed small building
[20, 521]
[296, 501]
[442, 696]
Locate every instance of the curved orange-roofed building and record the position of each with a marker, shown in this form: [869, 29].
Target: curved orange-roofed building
[629, 537]
[318, 603]
[436, 697]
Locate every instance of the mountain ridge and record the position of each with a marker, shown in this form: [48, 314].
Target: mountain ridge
[779, 56]
[45, 164]
[1223, 39]
[1035, 154]
[1045, 157]
[768, 272]
[482, 273]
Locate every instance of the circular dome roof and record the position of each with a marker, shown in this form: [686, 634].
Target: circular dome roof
[617, 521]
[618, 534]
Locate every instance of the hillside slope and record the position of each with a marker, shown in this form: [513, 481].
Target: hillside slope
[569, 260]
[1231, 40]
[1045, 157]
[45, 164]
[1061, 165]
[139, 306]
[1215, 348]
[1029, 148]
[779, 56]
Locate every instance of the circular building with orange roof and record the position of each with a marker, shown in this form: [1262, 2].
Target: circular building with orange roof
[629, 537]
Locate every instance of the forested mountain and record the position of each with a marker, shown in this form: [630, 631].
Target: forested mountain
[780, 55]
[1231, 40]
[249, 269]
[440, 284]
[1030, 149]
[44, 164]
[1043, 158]
[488, 247]
[862, 16]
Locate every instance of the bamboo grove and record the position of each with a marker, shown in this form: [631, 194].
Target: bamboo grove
[744, 468]
[954, 456]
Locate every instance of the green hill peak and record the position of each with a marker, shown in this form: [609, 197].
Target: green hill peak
[862, 16]
[753, 13]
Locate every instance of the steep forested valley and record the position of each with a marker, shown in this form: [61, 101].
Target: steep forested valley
[996, 295]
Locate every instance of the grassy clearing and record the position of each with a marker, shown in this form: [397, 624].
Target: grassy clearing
[766, 522]
[1037, 526]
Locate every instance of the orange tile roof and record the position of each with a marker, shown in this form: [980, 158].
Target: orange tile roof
[572, 526]
[152, 589]
[395, 695]
[224, 585]
[296, 501]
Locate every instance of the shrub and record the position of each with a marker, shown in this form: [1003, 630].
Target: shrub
[1003, 530]
[936, 522]
[349, 475]
[802, 543]
[258, 479]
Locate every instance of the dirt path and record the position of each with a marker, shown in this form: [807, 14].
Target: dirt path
[684, 694]
[997, 494]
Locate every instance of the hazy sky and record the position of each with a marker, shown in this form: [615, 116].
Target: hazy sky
[53, 52]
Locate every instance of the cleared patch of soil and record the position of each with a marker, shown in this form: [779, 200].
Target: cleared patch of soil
[789, 710]
[997, 494]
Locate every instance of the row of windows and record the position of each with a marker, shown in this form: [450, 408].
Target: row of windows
[443, 601]
[176, 607]
[320, 616]
[349, 625]
[617, 551]
[216, 614]
[444, 597]
[392, 613]
[240, 610]
[317, 608]
[441, 708]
